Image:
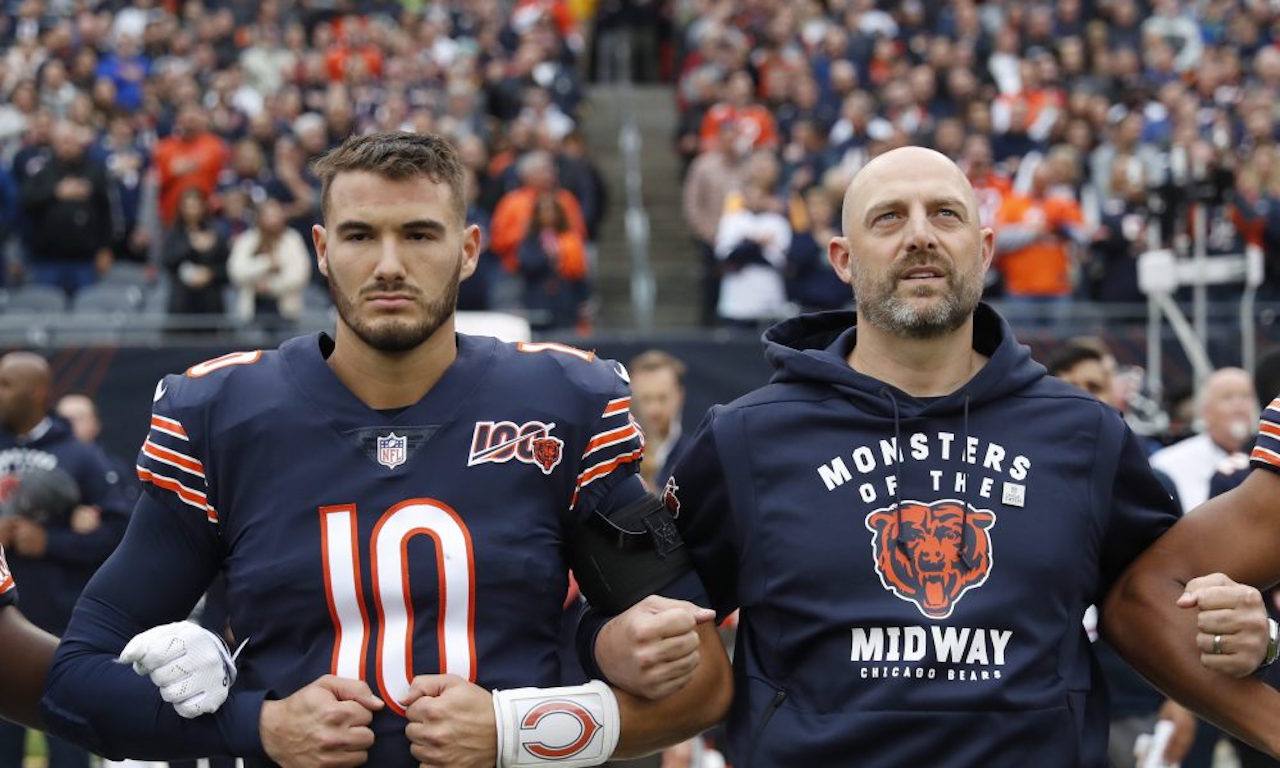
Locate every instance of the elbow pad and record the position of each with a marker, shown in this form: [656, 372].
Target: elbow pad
[625, 555]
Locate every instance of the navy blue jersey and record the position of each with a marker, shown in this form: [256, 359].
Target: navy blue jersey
[8, 587]
[912, 573]
[377, 545]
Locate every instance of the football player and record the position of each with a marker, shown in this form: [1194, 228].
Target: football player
[395, 509]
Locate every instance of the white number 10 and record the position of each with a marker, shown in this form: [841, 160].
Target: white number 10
[388, 563]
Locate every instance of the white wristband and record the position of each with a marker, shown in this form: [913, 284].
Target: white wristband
[572, 726]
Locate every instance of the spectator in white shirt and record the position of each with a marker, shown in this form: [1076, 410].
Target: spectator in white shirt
[1228, 410]
[751, 247]
[270, 267]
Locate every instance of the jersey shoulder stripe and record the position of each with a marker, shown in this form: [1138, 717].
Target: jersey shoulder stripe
[1266, 452]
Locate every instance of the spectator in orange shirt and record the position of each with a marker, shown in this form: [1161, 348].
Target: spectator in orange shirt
[756, 124]
[989, 185]
[191, 157]
[512, 216]
[1034, 239]
[553, 266]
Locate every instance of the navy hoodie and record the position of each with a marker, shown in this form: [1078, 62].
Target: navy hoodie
[51, 583]
[912, 572]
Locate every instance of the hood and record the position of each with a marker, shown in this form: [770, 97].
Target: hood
[814, 348]
[58, 431]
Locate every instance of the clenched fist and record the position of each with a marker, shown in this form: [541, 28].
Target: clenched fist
[651, 649]
[451, 723]
[324, 725]
[1232, 621]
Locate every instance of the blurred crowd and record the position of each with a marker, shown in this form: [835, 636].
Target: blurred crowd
[178, 137]
[1093, 130]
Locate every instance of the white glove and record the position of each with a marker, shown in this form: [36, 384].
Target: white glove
[189, 664]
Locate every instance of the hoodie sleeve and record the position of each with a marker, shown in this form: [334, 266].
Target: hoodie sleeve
[697, 496]
[1139, 511]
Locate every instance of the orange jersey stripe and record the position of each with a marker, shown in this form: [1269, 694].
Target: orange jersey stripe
[614, 407]
[605, 467]
[168, 427]
[189, 496]
[179, 460]
[551, 346]
[1267, 428]
[1266, 456]
[612, 437]
[6, 585]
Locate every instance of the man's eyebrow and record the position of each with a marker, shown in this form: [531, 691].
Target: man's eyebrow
[415, 224]
[431, 224]
[353, 226]
[949, 201]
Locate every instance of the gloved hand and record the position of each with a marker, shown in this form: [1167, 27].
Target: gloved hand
[189, 664]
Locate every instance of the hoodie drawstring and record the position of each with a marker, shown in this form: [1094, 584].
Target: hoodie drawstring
[900, 541]
[964, 471]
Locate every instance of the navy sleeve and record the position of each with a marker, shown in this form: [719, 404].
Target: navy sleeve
[1266, 451]
[697, 496]
[615, 445]
[91, 474]
[8, 587]
[1139, 511]
[166, 561]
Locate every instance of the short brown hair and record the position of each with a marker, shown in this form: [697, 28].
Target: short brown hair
[657, 360]
[396, 155]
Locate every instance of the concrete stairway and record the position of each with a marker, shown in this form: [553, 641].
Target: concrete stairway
[671, 251]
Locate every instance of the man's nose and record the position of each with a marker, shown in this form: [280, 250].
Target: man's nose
[919, 231]
[390, 263]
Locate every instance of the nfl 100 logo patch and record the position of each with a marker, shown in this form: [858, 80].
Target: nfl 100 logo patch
[497, 442]
[392, 450]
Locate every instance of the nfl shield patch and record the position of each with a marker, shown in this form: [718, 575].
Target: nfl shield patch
[392, 450]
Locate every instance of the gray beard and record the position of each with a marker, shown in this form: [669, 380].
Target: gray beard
[898, 317]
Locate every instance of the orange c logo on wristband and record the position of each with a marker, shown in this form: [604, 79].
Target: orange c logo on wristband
[587, 726]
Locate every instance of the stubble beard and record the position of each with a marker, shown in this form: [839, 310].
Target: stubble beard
[881, 303]
[395, 335]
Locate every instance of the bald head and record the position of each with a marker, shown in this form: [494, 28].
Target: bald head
[27, 367]
[913, 248]
[905, 164]
[24, 390]
[1229, 407]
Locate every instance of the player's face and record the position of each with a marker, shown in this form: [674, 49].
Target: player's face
[394, 252]
[913, 249]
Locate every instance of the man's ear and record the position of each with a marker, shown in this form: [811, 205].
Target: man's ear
[470, 250]
[841, 258]
[320, 239]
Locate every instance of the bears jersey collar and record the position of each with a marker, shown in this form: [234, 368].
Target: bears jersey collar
[308, 368]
